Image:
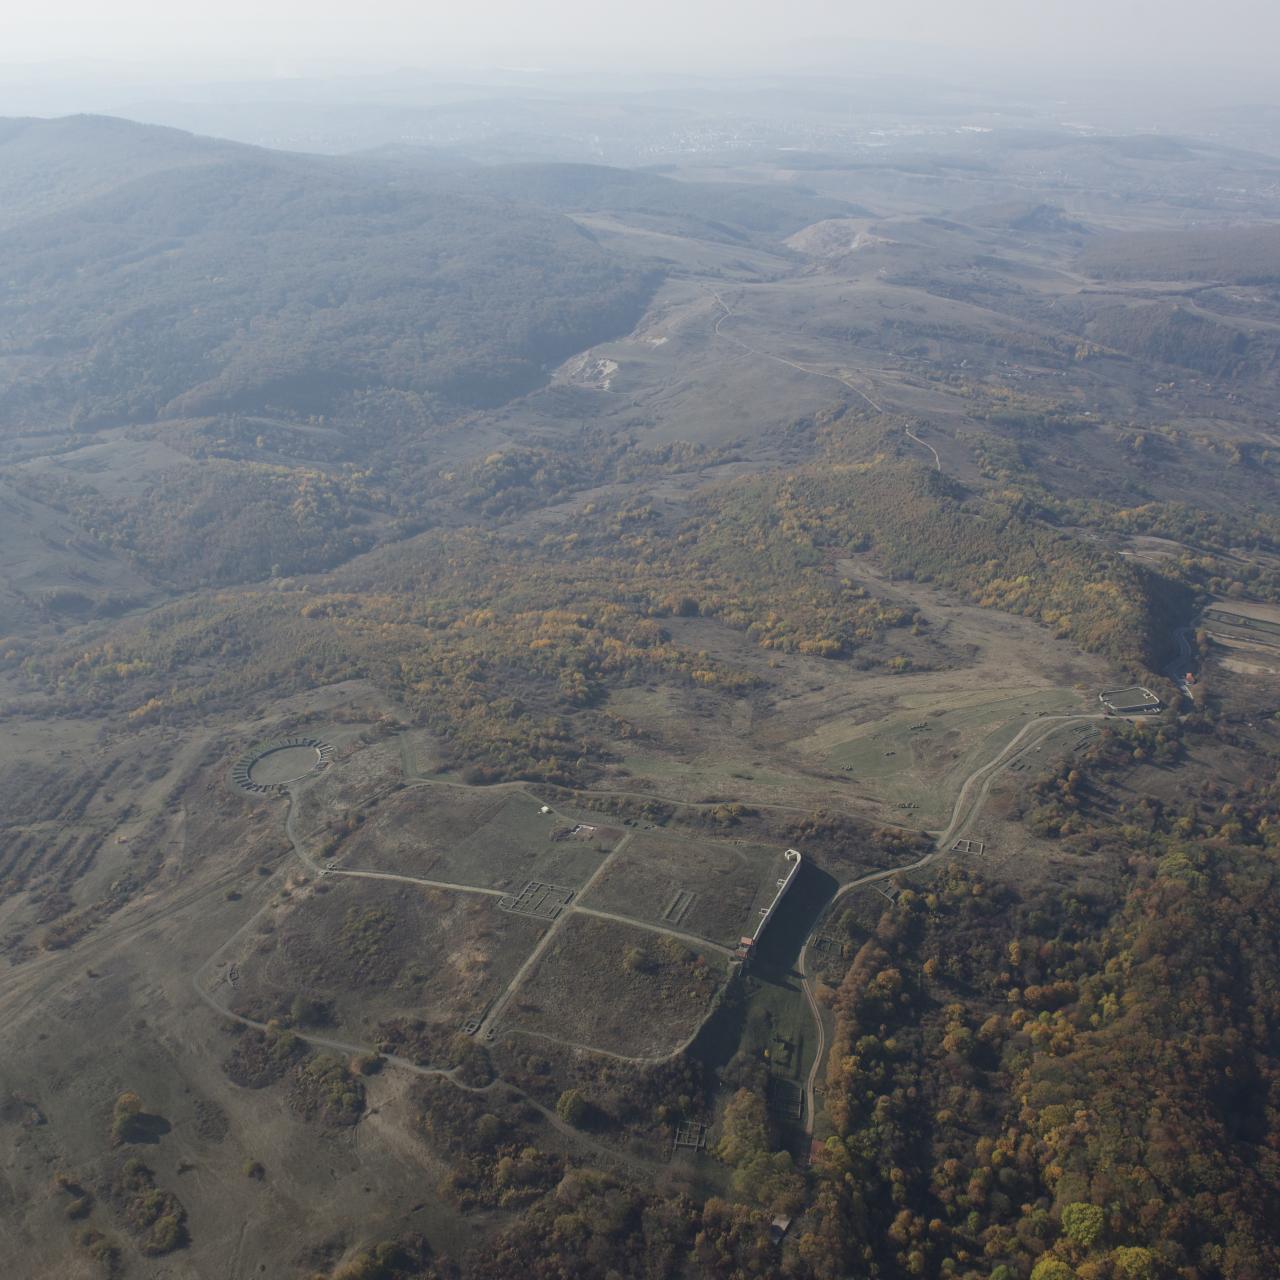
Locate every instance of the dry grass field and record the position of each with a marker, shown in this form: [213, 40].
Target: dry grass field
[709, 888]
[351, 954]
[820, 734]
[619, 989]
[1245, 636]
[494, 839]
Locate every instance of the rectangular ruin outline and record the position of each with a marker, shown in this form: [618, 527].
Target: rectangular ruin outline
[691, 1135]
[678, 907]
[538, 899]
[1134, 699]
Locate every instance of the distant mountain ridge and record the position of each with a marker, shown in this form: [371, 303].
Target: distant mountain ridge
[726, 209]
[152, 273]
[47, 166]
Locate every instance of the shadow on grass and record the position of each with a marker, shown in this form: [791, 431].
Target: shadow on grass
[146, 1128]
[778, 950]
[768, 992]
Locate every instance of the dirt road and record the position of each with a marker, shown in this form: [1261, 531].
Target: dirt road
[937, 461]
[486, 1027]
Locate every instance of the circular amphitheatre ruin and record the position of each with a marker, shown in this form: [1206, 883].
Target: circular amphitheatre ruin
[273, 766]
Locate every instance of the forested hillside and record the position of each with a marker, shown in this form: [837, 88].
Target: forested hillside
[1075, 1087]
[920, 527]
[49, 165]
[230, 278]
[1233, 255]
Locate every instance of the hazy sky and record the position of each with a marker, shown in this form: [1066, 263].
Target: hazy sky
[290, 35]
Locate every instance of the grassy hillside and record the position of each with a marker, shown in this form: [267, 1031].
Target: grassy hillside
[1173, 335]
[832, 550]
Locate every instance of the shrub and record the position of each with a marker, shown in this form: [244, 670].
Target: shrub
[1052, 1269]
[1131, 1262]
[125, 1118]
[167, 1234]
[1082, 1223]
[572, 1107]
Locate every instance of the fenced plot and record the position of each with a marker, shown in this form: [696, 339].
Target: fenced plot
[605, 985]
[493, 840]
[367, 951]
[1263, 629]
[1131, 700]
[712, 888]
[978, 847]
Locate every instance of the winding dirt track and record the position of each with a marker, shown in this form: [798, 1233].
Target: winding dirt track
[937, 461]
[450, 1074]
[727, 313]
[964, 812]
[21, 996]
